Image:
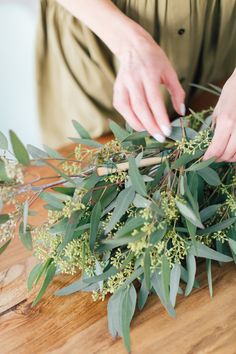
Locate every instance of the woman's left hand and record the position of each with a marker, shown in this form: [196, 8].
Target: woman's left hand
[223, 145]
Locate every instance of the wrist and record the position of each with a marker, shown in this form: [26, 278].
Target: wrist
[131, 38]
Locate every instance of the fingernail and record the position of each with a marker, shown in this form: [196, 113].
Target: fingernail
[159, 138]
[182, 109]
[166, 130]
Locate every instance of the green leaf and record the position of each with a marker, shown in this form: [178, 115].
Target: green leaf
[165, 275]
[192, 232]
[3, 142]
[120, 133]
[53, 153]
[78, 285]
[130, 225]
[52, 200]
[200, 165]
[184, 159]
[136, 178]
[87, 142]
[209, 276]
[191, 268]
[94, 224]
[37, 153]
[142, 296]
[136, 136]
[210, 176]
[114, 308]
[206, 252]
[184, 276]
[70, 228]
[158, 176]
[158, 234]
[135, 275]
[3, 175]
[147, 270]
[104, 276]
[189, 214]
[3, 247]
[4, 218]
[128, 309]
[177, 133]
[81, 130]
[48, 278]
[214, 92]
[25, 237]
[174, 282]
[158, 287]
[218, 227]
[20, 151]
[123, 201]
[25, 215]
[208, 212]
[141, 202]
[34, 275]
[121, 241]
[232, 244]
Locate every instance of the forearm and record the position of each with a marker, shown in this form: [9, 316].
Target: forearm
[114, 28]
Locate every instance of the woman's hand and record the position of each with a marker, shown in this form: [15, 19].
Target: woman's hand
[143, 66]
[137, 97]
[223, 145]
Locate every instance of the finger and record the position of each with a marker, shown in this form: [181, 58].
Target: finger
[220, 139]
[141, 109]
[157, 106]
[230, 150]
[122, 104]
[171, 81]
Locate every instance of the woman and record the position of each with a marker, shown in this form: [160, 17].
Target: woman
[94, 55]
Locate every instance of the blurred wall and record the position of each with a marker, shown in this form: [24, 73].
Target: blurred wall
[18, 109]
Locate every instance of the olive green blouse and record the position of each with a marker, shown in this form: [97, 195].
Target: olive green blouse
[76, 71]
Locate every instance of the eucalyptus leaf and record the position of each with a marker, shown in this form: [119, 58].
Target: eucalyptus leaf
[142, 296]
[81, 130]
[218, 227]
[128, 309]
[191, 268]
[19, 150]
[124, 199]
[48, 278]
[209, 276]
[4, 218]
[4, 246]
[136, 178]
[189, 214]
[3, 142]
[25, 236]
[207, 252]
[174, 282]
[147, 269]
[120, 133]
[87, 142]
[210, 176]
[200, 165]
[165, 275]
[94, 224]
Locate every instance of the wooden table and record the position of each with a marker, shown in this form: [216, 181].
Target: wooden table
[75, 324]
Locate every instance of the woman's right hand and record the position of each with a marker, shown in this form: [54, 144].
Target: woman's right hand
[143, 68]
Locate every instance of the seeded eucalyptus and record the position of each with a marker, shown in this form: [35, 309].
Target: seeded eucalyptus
[134, 225]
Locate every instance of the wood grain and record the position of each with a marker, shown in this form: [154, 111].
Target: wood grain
[75, 324]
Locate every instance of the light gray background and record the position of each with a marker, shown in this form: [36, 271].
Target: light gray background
[18, 111]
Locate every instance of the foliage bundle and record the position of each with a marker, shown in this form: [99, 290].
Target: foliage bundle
[128, 232]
